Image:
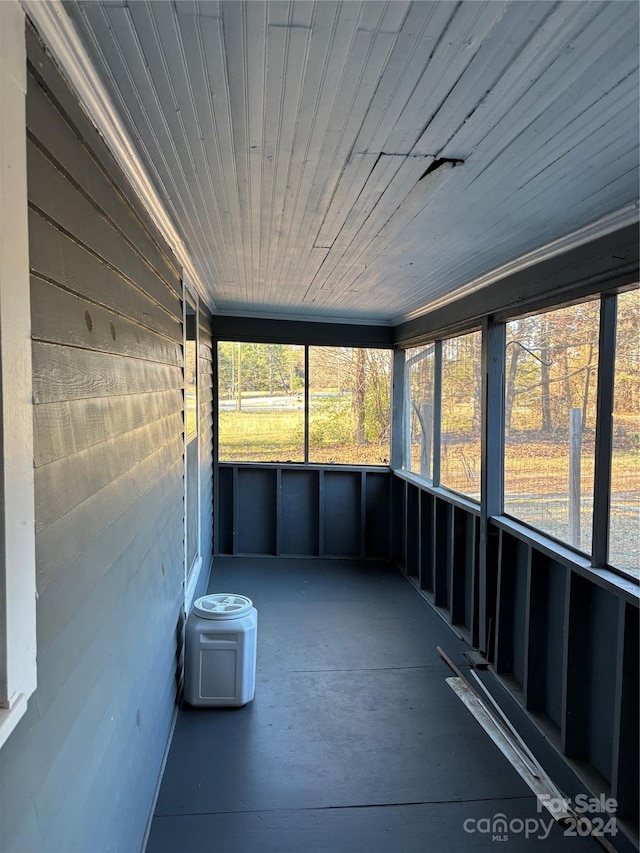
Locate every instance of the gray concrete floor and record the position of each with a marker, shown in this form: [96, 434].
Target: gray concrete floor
[354, 741]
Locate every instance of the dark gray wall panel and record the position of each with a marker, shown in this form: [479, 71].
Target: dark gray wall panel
[600, 675]
[341, 501]
[519, 611]
[224, 531]
[554, 634]
[443, 536]
[462, 566]
[296, 510]
[398, 491]
[412, 530]
[377, 525]
[299, 497]
[300, 332]
[470, 563]
[566, 634]
[426, 540]
[626, 756]
[510, 642]
[256, 507]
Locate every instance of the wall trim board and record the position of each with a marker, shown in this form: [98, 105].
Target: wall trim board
[259, 330]
[620, 585]
[18, 667]
[440, 492]
[61, 38]
[163, 764]
[609, 262]
[625, 216]
[306, 466]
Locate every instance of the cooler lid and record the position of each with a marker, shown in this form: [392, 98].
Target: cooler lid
[222, 605]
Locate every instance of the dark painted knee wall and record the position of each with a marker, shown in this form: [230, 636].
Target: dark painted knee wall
[563, 637]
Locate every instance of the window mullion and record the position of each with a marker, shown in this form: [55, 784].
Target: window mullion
[306, 404]
[604, 429]
[399, 392]
[437, 412]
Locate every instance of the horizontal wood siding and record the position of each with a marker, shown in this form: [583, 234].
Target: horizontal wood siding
[80, 771]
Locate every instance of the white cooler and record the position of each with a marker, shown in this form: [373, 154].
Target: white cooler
[220, 652]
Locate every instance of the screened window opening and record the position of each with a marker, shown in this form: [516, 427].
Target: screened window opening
[419, 367]
[349, 405]
[461, 414]
[551, 378]
[624, 508]
[260, 402]
[269, 412]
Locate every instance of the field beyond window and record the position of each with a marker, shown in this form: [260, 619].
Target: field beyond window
[550, 417]
[349, 405]
[262, 396]
[261, 402]
[624, 535]
[461, 414]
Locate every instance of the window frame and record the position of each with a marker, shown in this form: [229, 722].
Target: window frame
[191, 570]
[598, 448]
[18, 666]
[306, 461]
[493, 456]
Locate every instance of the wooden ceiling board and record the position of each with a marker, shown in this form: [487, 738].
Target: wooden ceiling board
[290, 140]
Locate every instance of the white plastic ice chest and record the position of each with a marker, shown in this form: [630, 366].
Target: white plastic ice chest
[220, 653]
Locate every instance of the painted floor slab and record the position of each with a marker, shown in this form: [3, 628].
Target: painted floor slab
[354, 741]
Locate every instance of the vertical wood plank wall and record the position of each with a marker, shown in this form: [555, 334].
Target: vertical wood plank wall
[108, 395]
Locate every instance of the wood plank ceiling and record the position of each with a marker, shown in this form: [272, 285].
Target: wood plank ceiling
[364, 160]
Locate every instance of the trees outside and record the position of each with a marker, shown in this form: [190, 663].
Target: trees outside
[551, 361]
[349, 405]
[461, 413]
[550, 415]
[624, 539]
[419, 366]
[261, 394]
[248, 369]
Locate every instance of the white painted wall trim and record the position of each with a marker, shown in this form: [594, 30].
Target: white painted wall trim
[61, 38]
[627, 215]
[17, 512]
[191, 573]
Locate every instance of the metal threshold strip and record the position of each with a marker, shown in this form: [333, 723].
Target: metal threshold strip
[497, 725]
